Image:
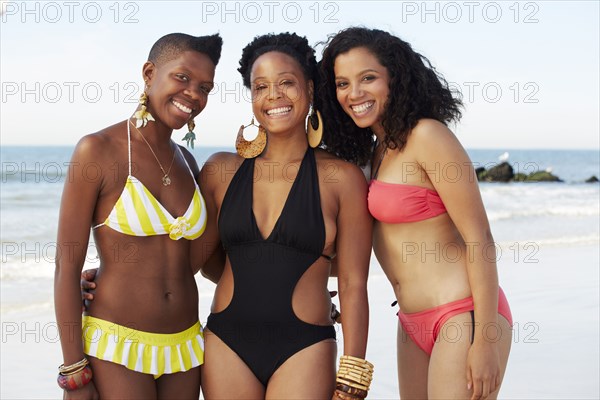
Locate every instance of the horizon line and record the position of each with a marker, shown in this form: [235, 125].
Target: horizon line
[233, 147]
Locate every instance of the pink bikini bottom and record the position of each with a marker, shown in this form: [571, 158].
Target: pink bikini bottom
[424, 327]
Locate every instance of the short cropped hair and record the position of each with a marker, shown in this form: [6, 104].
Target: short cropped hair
[170, 46]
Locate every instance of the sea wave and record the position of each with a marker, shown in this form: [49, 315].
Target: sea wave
[24, 307]
[29, 267]
[592, 239]
[13, 271]
[543, 212]
[518, 201]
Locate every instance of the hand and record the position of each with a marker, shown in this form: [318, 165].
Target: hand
[335, 314]
[88, 392]
[87, 283]
[483, 370]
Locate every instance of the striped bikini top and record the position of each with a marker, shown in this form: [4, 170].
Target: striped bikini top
[138, 213]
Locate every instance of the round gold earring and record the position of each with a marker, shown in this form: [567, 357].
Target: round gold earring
[251, 148]
[314, 128]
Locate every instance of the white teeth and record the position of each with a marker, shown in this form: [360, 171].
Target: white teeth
[279, 111]
[362, 107]
[182, 107]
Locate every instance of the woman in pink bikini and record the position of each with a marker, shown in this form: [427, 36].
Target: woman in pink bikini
[385, 103]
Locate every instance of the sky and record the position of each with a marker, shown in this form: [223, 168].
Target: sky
[528, 70]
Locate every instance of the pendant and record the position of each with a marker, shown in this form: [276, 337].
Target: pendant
[166, 180]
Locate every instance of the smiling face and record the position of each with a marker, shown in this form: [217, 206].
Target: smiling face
[179, 88]
[280, 92]
[362, 87]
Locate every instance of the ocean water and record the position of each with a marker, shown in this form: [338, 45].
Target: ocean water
[523, 216]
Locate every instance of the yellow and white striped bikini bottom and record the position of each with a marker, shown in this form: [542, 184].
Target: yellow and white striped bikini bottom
[145, 352]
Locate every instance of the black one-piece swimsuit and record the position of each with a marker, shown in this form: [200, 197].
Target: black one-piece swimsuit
[259, 324]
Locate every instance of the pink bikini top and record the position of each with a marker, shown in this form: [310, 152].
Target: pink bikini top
[394, 203]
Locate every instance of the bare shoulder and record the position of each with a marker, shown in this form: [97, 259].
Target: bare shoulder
[431, 130]
[432, 139]
[334, 170]
[225, 157]
[102, 145]
[91, 145]
[223, 160]
[220, 167]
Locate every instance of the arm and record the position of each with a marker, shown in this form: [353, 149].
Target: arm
[213, 267]
[207, 254]
[460, 193]
[353, 245]
[76, 211]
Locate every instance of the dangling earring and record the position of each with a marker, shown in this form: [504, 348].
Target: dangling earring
[142, 115]
[251, 149]
[190, 136]
[314, 128]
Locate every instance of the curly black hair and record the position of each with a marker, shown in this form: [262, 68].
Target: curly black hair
[417, 91]
[170, 46]
[291, 44]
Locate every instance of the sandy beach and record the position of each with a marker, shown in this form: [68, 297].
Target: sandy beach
[555, 353]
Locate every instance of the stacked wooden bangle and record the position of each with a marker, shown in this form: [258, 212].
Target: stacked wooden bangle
[74, 376]
[353, 378]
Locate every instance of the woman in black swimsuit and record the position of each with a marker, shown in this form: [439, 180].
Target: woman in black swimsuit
[281, 217]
